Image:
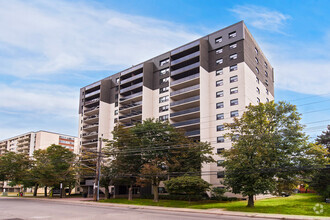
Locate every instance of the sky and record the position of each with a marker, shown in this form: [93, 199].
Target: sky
[50, 49]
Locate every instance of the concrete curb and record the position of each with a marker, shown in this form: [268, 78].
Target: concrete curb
[159, 208]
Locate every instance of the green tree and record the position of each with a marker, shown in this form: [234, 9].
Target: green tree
[268, 144]
[187, 185]
[324, 139]
[14, 167]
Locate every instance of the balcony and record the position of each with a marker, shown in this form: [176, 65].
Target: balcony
[185, 82]
[130, 106]
[90, 134]
[89, 142]
[132, 69]
[131, 87]
[182, 93]
[185, 69]
[91, 127]
[93, 85]
[92, 93]
[89, 111]
[185, 103]
[91, 119]
[131, 78]
[92, 101]
[131, 115]
[185, 113]
[190, 122]
[184, 48]
[193, 133]
[185, 58]
[132, 97]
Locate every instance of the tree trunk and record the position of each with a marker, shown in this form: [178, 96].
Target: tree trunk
[35, 189]
[45, 191]
[130, 192]
[70, 189]
[107, 194]
[251, 201]
[114, 192]
[63, 192]
[155, 191]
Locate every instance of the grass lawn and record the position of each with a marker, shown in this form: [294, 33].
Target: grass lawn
[299, 204]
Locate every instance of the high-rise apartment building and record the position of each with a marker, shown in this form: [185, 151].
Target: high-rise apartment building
[197, 87]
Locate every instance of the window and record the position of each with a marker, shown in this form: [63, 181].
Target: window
[115, 120]
[266, 82]
[116, 96]
[220, 139]
[257, 80]
[219, 105]
[116, 112]
[164, 80]
[233, 102]
[220, 128]
[117, 88]
[218, 51]
[164, 71]
[219, 94]
[219, 82]
[266, 74]
[234, 90]
[163, 99]
[256, 59]
[232, 46]
[256, 50]
[234, 113]
[235, 137]
[163, 118]
[257, 70]
[162, 90]
[219, 61]
[233, 56]
[232, 35]
[267, 100]
[163, 108]
[117, 80]
[163, 62]
[220, 116]
[266, 65]
[219, 163]
[221, 174]
[267, 92]
[218, 40]
[233, 68]
[219, 72]
[258, 90]
[234, 79]
[220, 150]
[116, 104]
[258, 100]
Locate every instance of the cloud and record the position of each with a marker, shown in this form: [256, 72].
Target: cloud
[261, 17]
[50, 37]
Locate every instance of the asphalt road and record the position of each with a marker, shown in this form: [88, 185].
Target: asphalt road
[18, 209]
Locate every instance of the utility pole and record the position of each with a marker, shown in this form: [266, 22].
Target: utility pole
[96, 195]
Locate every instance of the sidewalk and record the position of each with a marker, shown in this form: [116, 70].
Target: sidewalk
[90, 202]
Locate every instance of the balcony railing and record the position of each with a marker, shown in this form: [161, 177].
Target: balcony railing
[193, 133]
[89, 126]
[130, 105]
[131, 87]
[187, 111]
[131, 78]
[92, 101]
[91, 117]
[185, 90]
[184, 69]
[189, 122]
[94, 141]
[186, 47]
[89, 134]
[188, 57]
[131, 96]
[91, 109]
[131, 69]
[185, 79]
[93, 85]
[92, 93]
[130, 115]
[183, 101]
